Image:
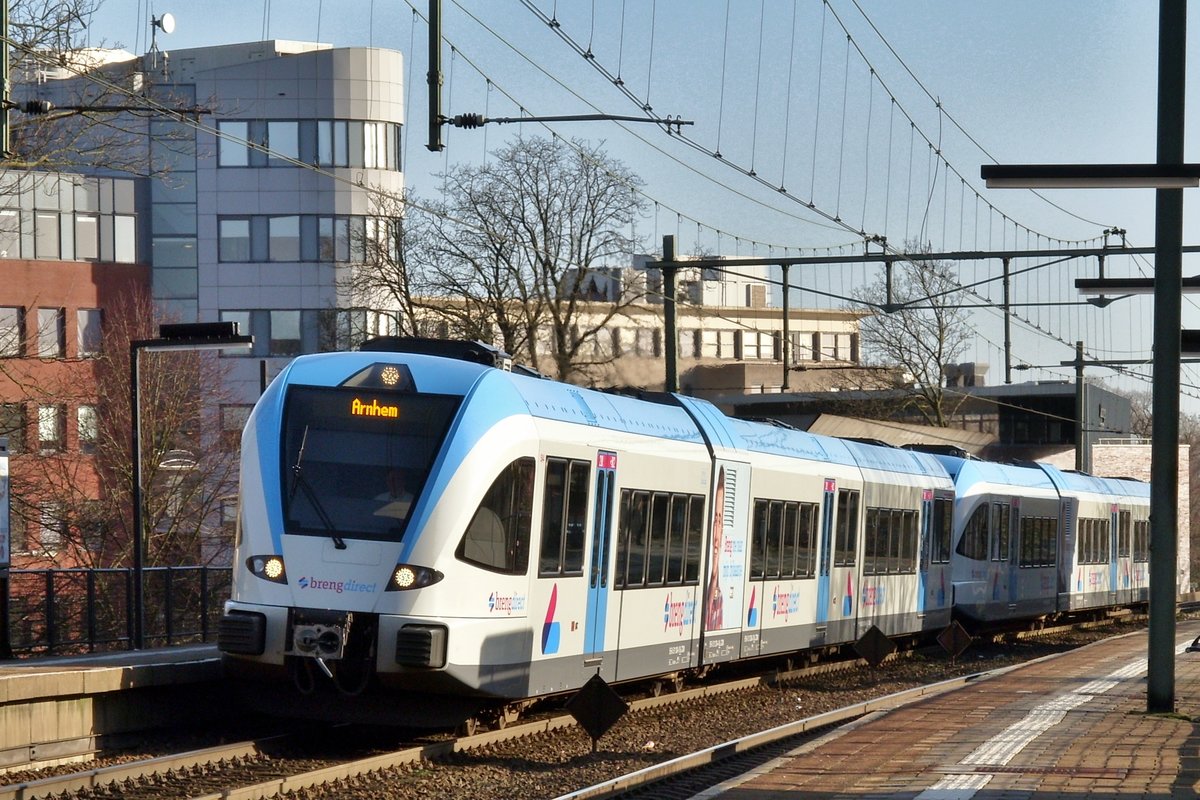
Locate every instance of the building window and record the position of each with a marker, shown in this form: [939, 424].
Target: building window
[12, 332]
[689, 344]
[124, 239]
[241, 319]
[52, 527]
[87, 237]
[285, 333]
[284, 241]
[647, 342]
[231, 144]
[802, 347]
[88, 427]
[51, 423]
[10, 233]
[12, 425]
[333, 239]
[283, 143]
[88, 322]
[233, 420]
[332, 148]
[235, 240]
[342, 329]
[749, 345]
[52, 338]
[46, 238]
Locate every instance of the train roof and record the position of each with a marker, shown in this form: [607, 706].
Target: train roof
[504, 393]
[766, 437]
[967, 471]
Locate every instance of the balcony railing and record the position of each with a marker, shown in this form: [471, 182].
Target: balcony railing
[74, 611]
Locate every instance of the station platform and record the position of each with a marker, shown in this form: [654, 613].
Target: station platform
[1069, 726]
[58, 709]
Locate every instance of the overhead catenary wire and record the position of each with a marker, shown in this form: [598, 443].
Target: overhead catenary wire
[755, 244]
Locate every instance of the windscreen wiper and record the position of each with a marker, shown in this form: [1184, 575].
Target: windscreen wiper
[299, 482]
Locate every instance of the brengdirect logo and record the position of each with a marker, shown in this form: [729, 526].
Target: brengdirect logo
[336, 586]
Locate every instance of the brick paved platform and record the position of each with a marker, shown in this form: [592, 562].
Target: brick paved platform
[1072, 726]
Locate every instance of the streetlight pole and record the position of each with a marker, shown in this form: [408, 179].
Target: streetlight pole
[183, 336]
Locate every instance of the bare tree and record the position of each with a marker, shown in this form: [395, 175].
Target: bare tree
[519, 247]
[915, 324]
[187, 468]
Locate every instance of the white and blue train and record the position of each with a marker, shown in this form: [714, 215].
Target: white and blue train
[464, 536]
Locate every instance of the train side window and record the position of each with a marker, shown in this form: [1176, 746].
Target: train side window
[1000, 532]
[908, 542]
[806, 555]
[890, 534]
[791, 526]
[774, 538]
[553, 504]
[758, 546]
[623, 539]
[656, 560]
[695, 539]
[943, 529]
[564, 517]
[1050, 540]
[677, 539]
[1095, 547]
[631, 557]
[846, 542]
[660, 539]
[974, 541]
[871, 542]
[577, 499]
[1084, 538]
[1027, 543]
[1141, 540]
[1038, 541]
[497, 537]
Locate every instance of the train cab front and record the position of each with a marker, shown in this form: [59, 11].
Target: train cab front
[341, 522]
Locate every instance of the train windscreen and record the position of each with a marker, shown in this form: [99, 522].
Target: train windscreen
[355, 461]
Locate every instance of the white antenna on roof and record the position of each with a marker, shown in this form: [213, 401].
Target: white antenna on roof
[166, 24]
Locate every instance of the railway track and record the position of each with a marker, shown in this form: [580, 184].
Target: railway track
[645, 748]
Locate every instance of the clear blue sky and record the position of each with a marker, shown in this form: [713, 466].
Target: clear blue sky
[1028, 81]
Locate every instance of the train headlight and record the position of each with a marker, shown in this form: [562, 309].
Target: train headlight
[268, 567]
[407, 576]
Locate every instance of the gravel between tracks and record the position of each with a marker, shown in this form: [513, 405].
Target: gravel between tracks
[546, 766]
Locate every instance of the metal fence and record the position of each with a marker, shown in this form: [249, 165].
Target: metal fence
[72, 611]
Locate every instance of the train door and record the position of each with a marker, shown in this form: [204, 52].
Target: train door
[1118, 580]
[926, 549]
[939, 542]
[598, 569]
[1065, 551]
[825, 561]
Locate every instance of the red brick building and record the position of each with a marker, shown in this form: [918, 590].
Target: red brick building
[71, 234]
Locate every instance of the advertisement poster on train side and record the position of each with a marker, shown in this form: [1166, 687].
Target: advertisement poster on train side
[725, 575]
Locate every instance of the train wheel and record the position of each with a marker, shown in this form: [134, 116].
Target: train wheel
[468, 727]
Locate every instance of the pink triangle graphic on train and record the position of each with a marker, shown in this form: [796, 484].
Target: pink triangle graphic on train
[550, 629]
